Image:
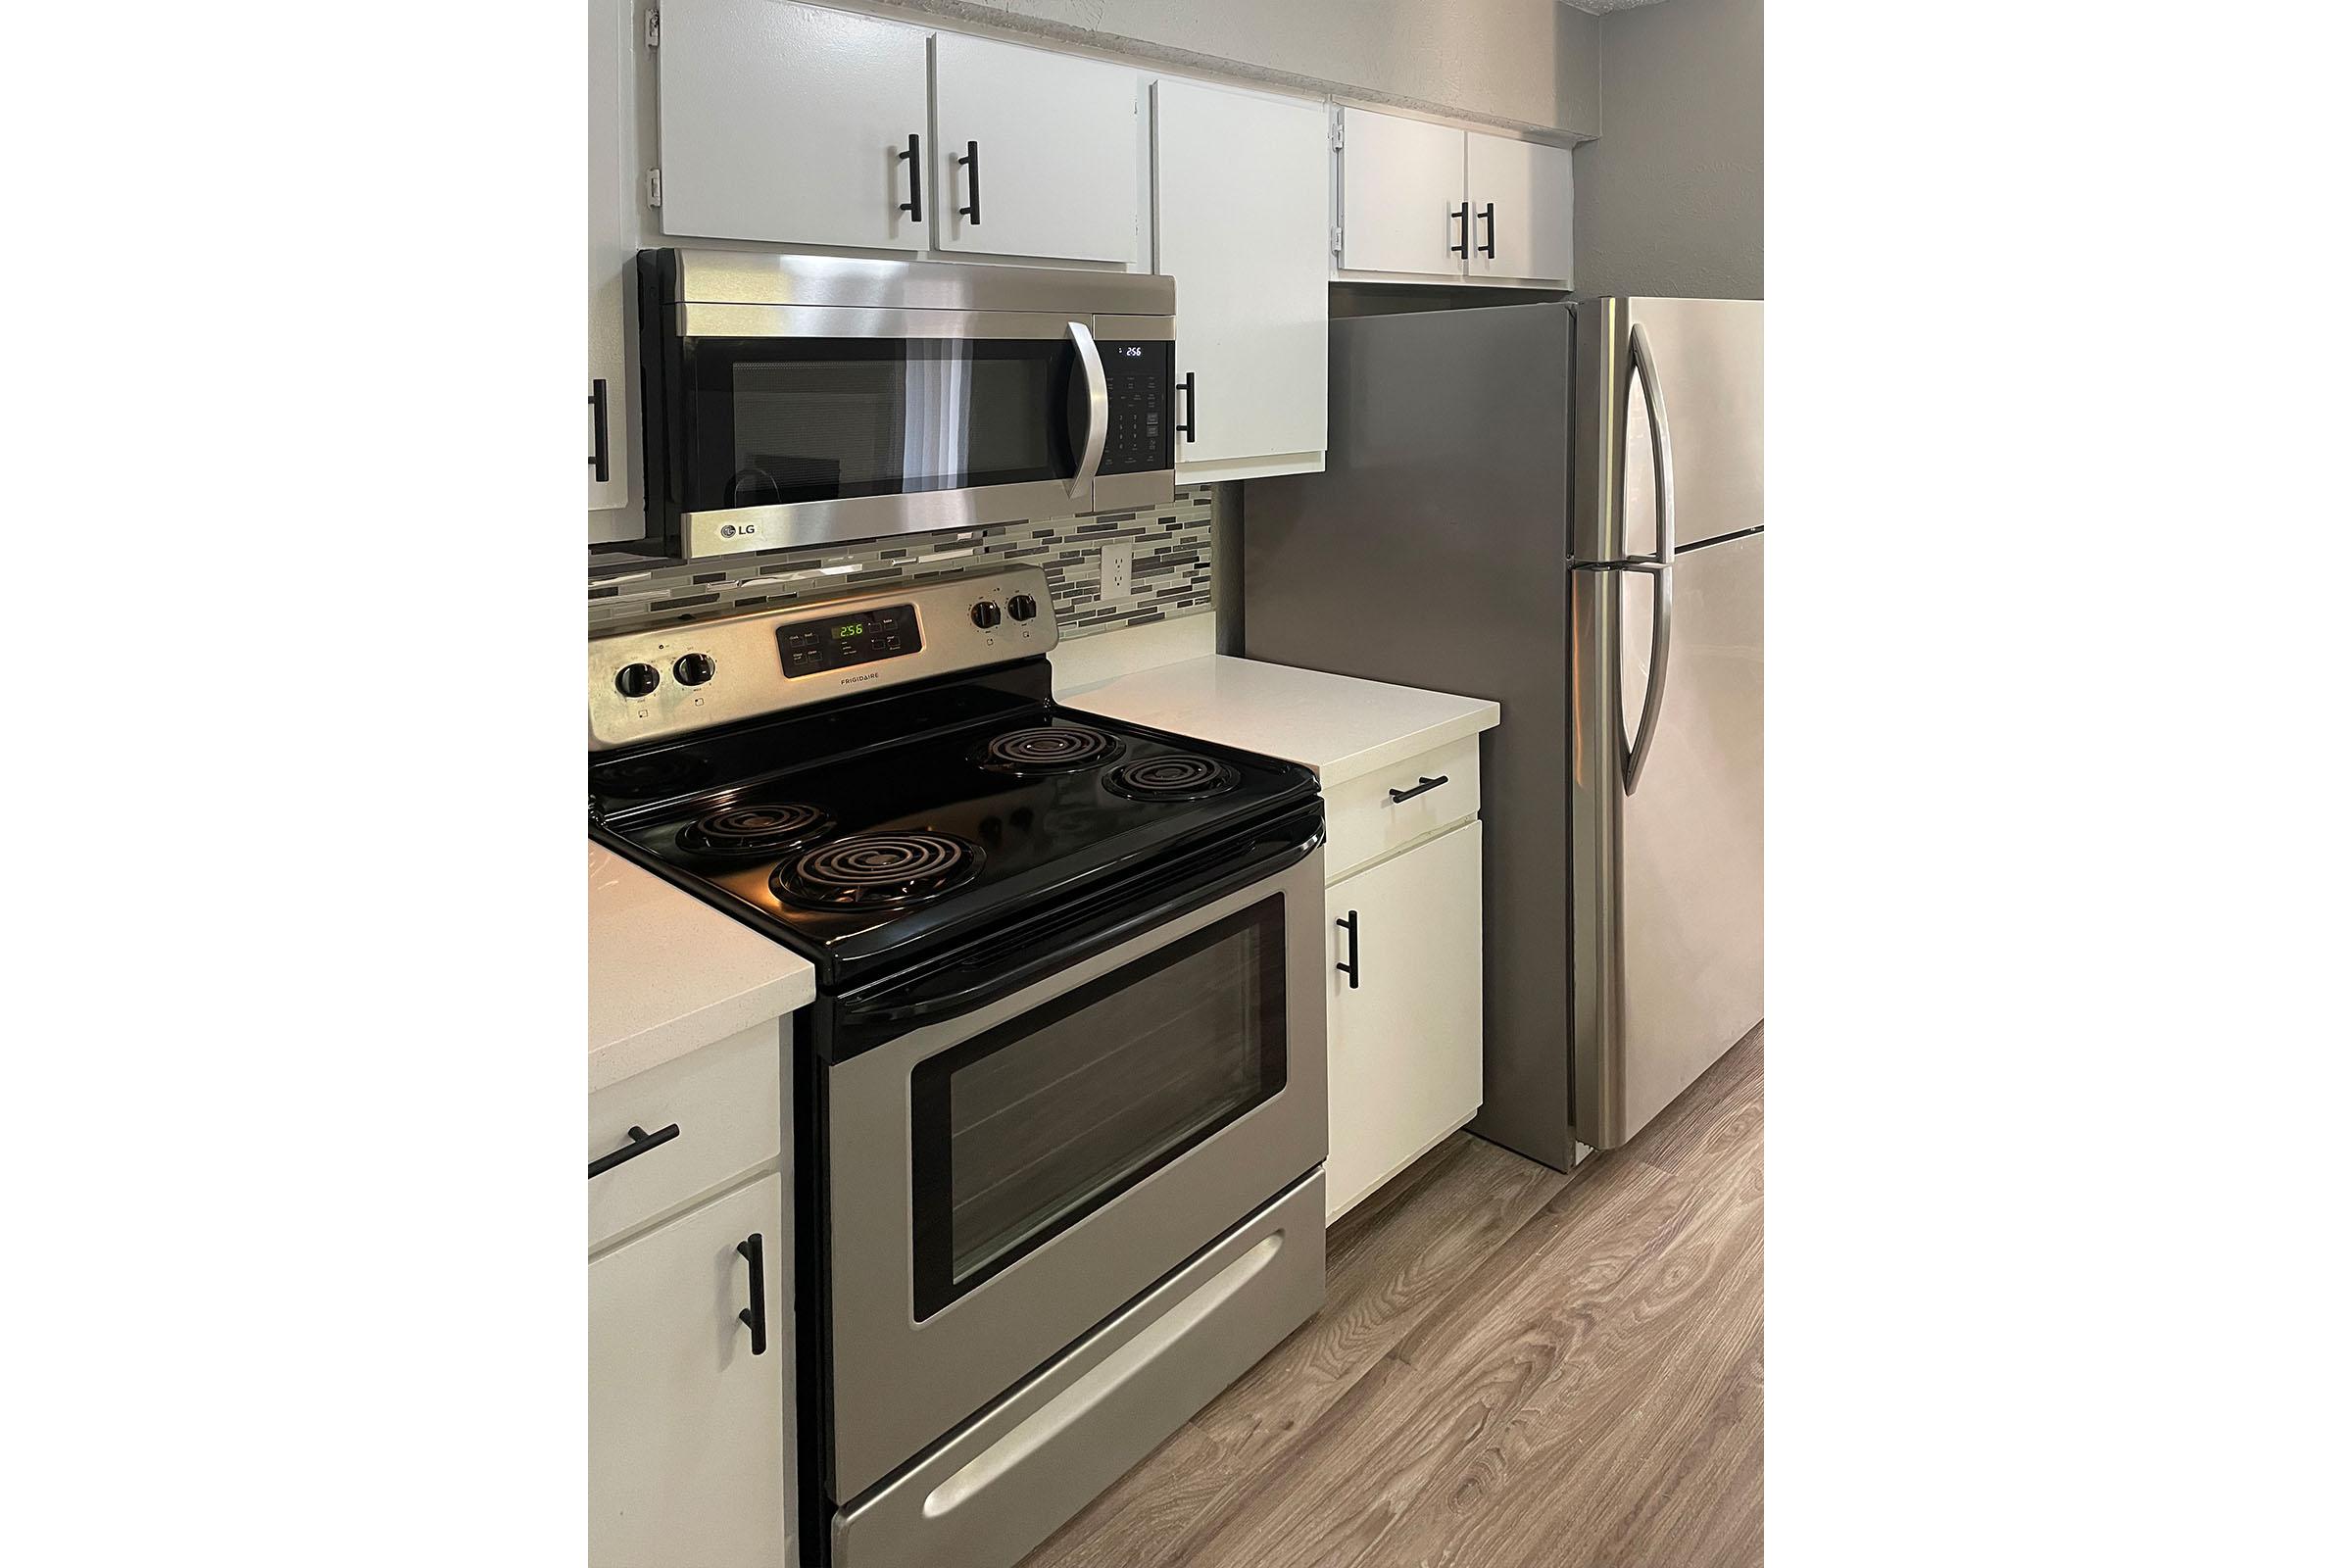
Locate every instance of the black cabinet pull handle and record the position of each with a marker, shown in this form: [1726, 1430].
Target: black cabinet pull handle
[600, 462]
[912, 157]
[1191, 405]
[1488, 249]
[639, 1142]
[755, 1316]
[1422, 788]
[1350, 968]
[1461, 214]
[970, 161]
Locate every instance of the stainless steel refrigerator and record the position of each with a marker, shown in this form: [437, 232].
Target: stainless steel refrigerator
[1561, 506]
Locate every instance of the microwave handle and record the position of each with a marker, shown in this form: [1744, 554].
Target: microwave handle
[1098, 413]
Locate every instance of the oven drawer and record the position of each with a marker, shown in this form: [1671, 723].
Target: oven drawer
[1052, 1445]
[1366, 821]
[727, 1102]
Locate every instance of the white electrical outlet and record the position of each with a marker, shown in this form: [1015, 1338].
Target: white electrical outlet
[1118, 562]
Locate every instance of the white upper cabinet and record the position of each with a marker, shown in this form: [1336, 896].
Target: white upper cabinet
[1240, 192]
[1428, 201]
[789, 124]
[1522, 198]
[1400, 195]
[1038, 154]
[610, 415]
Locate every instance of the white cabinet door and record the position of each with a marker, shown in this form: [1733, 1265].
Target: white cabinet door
[611, 227]
[1044, 146]
[1405, 1066]
[1240, 192]
[1522, 207]
[688, 1458]
[1400, 195]
[787, 123]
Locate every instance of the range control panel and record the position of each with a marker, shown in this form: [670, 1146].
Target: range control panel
[812, 646]
[1143, 432]
[673, 680]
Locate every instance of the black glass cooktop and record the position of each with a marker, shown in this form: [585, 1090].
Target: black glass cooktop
[866, 833]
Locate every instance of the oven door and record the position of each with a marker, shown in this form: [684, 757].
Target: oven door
[796, 425]
[1005, 1178]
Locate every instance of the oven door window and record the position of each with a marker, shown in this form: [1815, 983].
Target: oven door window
[777, 420]
[1023, 1131]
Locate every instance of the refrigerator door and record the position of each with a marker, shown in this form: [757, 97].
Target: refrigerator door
[1709, 359]
[1671, 937]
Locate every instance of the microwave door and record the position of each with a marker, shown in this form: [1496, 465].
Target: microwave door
[855, 425]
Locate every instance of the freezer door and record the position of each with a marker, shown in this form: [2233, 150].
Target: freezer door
[1690, 836]
[1709, 359]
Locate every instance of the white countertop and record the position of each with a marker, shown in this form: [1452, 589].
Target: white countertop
[1337, 726]
[667, 974]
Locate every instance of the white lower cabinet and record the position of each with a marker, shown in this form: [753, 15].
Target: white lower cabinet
[689, 1451]
[690, 1418]
[1406, 1024]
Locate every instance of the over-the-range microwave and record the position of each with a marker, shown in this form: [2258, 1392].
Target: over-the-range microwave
[806, 400]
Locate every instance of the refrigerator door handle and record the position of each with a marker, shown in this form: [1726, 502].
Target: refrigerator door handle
[1661, 568]
[1661, 649]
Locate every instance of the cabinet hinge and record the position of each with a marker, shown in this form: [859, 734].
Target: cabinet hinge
[1339, 131]
[1336, 234]
[652, 29]
[653, 187]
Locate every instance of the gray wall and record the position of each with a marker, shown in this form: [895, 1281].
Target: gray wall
[1528, 65]
[1671, 199]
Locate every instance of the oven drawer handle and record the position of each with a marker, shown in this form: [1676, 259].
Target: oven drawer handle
[639, 1142]
[1353, 968]
[755, 1316]
[1423, 788]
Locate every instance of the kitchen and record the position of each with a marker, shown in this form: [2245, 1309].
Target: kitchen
[1100, 564]
[1176, 930]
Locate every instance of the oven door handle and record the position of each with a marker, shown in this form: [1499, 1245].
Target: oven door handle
[1098, 412]
[1198, 884]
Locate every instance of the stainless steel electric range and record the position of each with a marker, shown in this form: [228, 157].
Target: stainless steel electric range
[1059, 1106]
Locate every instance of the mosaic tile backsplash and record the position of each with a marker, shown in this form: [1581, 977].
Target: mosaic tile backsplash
[1169, 576]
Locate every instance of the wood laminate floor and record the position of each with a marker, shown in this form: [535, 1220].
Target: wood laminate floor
[1512, 1369]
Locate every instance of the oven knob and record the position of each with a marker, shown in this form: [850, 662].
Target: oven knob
[638, 680]
[693, 670]
[986, 614]
[1021, 607]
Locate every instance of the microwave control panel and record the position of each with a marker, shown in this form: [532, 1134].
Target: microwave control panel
[1143, 432]
[812, 646]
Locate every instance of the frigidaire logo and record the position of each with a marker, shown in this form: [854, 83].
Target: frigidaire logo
[851, 680]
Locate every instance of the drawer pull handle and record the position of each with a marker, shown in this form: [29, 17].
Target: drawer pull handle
[1354, 965]
[755, 1316]
[1422, 788]
[639, 1142]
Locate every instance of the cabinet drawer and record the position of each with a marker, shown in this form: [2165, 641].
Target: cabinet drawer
[1364, 819]
[725, 1101]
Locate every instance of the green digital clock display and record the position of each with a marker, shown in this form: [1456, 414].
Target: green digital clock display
[848, 629]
